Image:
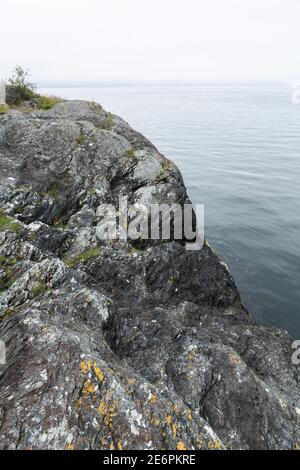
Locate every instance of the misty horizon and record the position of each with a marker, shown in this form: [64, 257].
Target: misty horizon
[203, 40]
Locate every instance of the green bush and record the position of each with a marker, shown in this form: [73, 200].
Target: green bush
[20, 88]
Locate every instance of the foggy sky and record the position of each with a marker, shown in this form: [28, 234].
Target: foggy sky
[157, 39]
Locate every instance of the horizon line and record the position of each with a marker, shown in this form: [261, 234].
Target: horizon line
[94, 83]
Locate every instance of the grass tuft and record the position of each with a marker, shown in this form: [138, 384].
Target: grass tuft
[130, 153]
[80, 139]
[8, 223]
[8, 280]
[83, 257]
[39, 289]
[47, 102]
[4, 108]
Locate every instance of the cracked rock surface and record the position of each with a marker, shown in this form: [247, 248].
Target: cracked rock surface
[118, 344]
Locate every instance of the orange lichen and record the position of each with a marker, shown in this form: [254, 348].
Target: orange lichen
[88, 388]
[214, 445]
[181, 446]
[89, 366]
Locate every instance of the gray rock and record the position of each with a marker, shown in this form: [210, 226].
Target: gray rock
[115, 343]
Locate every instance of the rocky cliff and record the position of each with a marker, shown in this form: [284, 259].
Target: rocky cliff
[111, 344]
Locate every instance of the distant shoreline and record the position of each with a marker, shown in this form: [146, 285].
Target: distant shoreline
[167, 83]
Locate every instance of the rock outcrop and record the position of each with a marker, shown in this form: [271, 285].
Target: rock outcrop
[116, 344]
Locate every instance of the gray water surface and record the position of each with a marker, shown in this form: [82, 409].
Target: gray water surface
[238, 148]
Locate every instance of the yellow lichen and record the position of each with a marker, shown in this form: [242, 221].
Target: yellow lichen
[199, 443]
[99, 373]
[214, 445]
[155, 421]
[85, 366]
[119, 445]
[107, 410]
[131, 381]
[70, 446]
[153, 398]
[234, 359]
[188, 414]
[190, 356]
[296, 446]
[181, 446]
[89, 366]
[88, 388]
[176, 408]
[174, 430]
[168, 420]
[78, 404]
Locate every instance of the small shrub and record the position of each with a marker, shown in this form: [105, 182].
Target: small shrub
[110, 123]
[20, 88]
[95, 106]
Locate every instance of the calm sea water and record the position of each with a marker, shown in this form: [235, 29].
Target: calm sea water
[238, 147]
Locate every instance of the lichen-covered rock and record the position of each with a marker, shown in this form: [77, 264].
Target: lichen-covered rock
[116, 344]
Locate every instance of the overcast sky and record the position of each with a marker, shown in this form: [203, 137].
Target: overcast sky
[151, 39]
